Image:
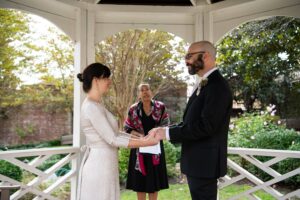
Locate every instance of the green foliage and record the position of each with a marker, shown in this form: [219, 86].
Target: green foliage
[290, 164]
[63, 192]
[13, 39]
[264, 131]
[261, 59]
[290, 107]
[171, 158]
[51, 143]
[261, 130]
[46, 165]
[56, 90]
[136, 56]
[22, 132]
[51, 58]
[10, 170]
[181, 192]
[175, 192]
[52, 161]
[123, 164]
[56, 73]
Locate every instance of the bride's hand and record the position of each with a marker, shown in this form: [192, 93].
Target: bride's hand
[136, 134]
[150, 140]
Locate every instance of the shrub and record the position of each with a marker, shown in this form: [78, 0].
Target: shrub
[291, 164]
[123, 164]
[10, 170]
[264, 131]
[15, 172]
[52, 161]
[171, 158]
[51, 143]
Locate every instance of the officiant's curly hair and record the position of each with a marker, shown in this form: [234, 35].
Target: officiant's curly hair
[97, 70]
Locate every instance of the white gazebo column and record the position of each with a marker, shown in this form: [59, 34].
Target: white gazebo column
[198, 34]
[80, 62]
[203, 22]
[208, 26]
[91, 24]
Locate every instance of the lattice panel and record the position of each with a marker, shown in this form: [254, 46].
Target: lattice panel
[248, 155]
[33, 186]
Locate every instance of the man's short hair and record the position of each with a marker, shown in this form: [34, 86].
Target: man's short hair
[206, 46]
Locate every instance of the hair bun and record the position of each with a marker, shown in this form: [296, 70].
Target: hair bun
[79, 76]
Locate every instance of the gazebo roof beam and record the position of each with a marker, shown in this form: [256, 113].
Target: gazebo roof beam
[226, 4]
[90, 1]
[193, 2]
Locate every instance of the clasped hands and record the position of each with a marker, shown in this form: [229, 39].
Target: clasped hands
[153, 137]
[159, 133]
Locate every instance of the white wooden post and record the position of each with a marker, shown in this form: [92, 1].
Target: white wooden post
[198, 34]
[80, 59]
[208, 26]
[91, 23]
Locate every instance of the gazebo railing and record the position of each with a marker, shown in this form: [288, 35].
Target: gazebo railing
[71, 154]
[38, 157]
[249, 156]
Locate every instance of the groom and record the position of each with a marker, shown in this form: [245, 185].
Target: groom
[204, 130]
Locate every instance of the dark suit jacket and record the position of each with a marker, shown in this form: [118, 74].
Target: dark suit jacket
[204, 130]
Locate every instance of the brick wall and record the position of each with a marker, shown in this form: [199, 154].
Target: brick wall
[32, 124]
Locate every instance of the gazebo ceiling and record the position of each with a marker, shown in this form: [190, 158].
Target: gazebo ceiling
[159, 2]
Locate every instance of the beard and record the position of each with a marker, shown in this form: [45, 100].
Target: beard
[196, 65]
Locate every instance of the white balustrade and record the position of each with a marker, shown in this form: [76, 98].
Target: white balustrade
[40, 156]
[71, 153]
[248, 155]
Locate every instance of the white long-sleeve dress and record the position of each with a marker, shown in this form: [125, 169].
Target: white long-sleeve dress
[99, 173]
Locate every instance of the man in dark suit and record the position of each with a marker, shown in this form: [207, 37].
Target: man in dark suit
[204, 130]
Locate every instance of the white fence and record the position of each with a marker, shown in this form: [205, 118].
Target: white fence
[38, 157]
[71, 154]
[248, 155]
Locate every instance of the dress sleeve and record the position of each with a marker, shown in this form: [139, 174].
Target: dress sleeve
[96, 114]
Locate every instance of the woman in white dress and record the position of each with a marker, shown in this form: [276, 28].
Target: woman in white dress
[99, 174]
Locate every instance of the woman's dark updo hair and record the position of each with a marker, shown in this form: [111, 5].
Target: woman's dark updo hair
[93, 70]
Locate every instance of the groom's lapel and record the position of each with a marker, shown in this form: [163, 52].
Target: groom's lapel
[191, 99]
[210, 78]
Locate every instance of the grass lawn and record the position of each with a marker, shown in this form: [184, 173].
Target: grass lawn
[181, 192]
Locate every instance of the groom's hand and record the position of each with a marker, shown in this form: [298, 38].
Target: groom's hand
[150, 139]
[159, 133]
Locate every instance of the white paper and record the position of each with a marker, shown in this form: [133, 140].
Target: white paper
[155, 149]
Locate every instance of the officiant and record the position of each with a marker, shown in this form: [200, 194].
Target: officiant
[147, 171]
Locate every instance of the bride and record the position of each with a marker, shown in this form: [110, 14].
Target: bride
[99, 174]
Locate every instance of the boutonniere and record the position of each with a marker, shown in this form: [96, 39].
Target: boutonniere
[201, 84]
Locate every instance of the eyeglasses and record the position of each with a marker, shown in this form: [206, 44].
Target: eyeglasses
[189, 55]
